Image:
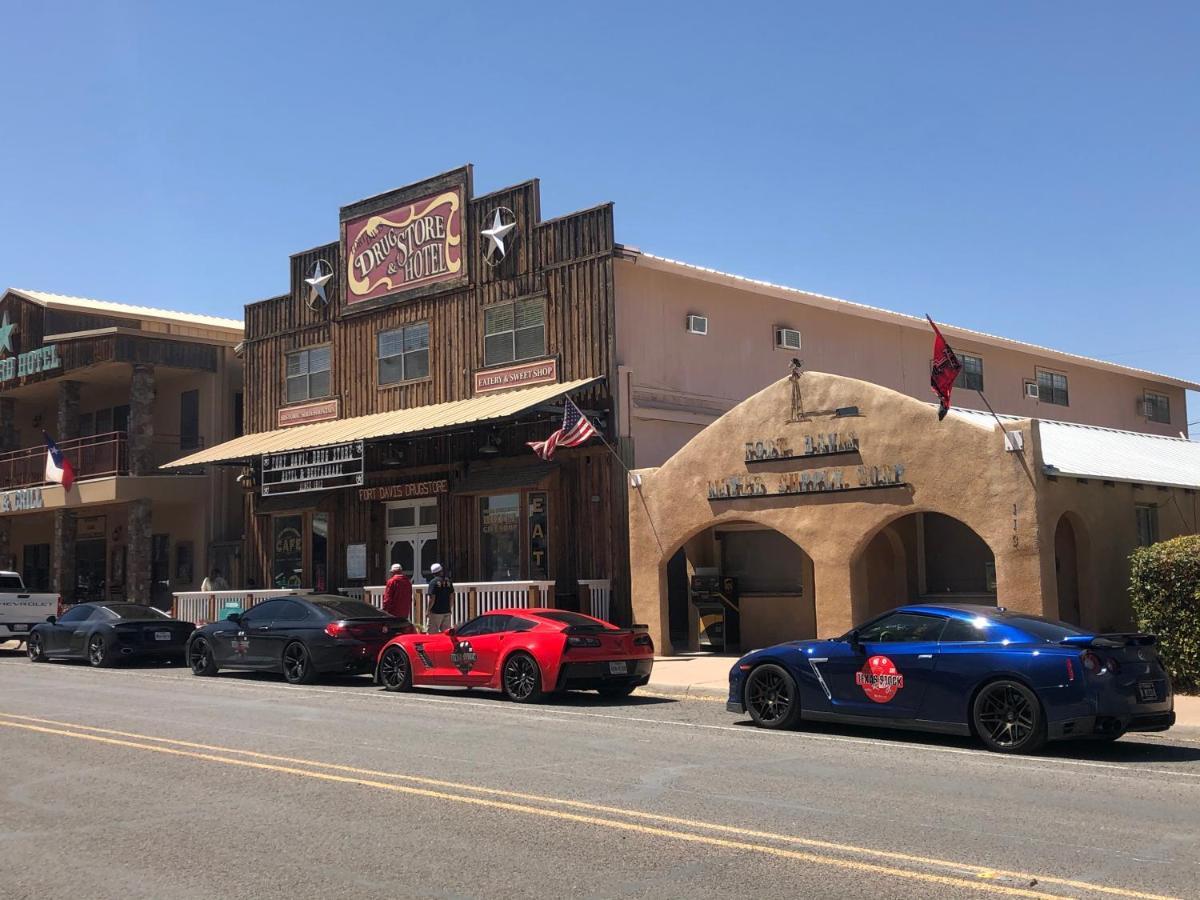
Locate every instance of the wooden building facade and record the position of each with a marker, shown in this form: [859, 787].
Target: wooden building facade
[431, 297]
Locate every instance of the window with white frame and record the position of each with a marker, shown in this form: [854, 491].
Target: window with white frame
[1052, 388]
[514, 331]
[1157, 407]
[308, 374]
[971, 376]
[403, 353]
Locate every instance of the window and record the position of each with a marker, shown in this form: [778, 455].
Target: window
[971, 376]
[1147, 524]
[500, 537]
[11, 584]
[903, 628]
[961, 631]
[1052, 388]
[349, 609]
[134, 611]
[483, 625]
[36, 568]
[1042, 629]
[404, 354]
[189, 420]
[308, 374]
[262, 613]
[78, 614]
[1157, 407]
[287, 570]
[288, 611]
[239, 410]
[514, 331]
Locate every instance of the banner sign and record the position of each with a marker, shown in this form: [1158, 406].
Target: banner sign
[404, 247]
[405, 491]
[16, 501]
[298, 471]
[543, 371]
[306, 414]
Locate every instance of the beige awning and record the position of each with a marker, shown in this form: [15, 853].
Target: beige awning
[383, 425]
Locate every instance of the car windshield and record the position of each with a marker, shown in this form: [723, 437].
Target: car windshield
[349, 609]
[1041, 629]
[134, 611]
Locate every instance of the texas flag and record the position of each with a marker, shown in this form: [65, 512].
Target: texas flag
[58, 467]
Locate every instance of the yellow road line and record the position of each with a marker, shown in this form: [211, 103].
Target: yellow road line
[978, 871]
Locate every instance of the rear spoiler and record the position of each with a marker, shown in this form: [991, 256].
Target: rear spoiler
[596, 629]
[1132, 639]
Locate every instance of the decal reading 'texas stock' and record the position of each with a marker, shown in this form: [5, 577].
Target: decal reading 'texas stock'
[879, 679]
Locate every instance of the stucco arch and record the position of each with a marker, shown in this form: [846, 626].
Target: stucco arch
[1072, 563]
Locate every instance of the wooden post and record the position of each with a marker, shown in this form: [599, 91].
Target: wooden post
[418, 613]
[535, 596]
[589, 608]
[472, 603]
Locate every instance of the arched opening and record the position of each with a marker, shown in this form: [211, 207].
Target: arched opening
[1066, 571]
[769, 599]
[925, 556]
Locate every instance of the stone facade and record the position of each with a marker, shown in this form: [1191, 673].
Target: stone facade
[137, 560]
[68, 411]
[141, 421]
[62, 553]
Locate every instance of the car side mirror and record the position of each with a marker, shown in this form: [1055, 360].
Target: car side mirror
[51, 619]
[852, 639]
[450, 633]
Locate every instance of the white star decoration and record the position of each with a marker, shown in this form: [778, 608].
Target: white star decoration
[6, 330]
[316, 282]
[495, 237]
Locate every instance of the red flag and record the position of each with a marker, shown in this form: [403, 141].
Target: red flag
[946, 367]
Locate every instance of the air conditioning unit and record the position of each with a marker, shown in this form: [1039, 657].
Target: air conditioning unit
[697, 324]
[787, 338]
[1031, 390]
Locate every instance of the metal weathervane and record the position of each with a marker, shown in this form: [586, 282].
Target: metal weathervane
[504, 221]
[317, 278]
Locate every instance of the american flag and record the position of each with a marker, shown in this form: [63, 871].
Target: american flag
[575, 430]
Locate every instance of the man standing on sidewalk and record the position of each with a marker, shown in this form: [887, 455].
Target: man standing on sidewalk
[397, 594]
[440, 591]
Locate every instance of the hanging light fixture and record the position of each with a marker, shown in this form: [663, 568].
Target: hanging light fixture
[491, 444]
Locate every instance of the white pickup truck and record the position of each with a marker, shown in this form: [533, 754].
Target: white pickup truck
[21, 610]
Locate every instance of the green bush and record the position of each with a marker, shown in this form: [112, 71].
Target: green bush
[1165, 591]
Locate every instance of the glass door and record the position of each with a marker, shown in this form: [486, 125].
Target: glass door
[412, 537]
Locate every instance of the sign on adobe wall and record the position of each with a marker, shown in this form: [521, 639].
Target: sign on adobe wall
[407, 246]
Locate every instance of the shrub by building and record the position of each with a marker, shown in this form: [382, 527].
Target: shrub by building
[1165, 592]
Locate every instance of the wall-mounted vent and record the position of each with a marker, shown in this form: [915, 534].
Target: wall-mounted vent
[697, 324]
[1031, 390]
[787, 338]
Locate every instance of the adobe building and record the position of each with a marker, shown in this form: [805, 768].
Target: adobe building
[122, 390]
[823, 500]
[394, 387]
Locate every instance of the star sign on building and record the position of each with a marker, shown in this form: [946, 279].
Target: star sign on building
[317, 278]
[6, 332]
[494, 247]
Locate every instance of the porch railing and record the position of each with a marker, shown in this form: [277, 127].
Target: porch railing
[595, 597]
[470, 598]
[95, 456]
[204, 607]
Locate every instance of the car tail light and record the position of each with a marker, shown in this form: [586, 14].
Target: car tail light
[1093, 663]
[337, 629]
[642, 640]
[1070, 670]
[577, 641]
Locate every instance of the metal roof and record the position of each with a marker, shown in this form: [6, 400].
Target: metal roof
[886, 315]
[1085, 451]
[85, 304]
[381, 425]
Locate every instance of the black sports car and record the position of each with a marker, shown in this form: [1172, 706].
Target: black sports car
[105, 633]
[303, 637]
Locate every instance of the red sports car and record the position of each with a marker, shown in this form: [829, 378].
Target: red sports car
[526, 653]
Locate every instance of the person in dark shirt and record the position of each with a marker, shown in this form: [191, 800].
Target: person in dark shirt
[440, 602]
[397, 594]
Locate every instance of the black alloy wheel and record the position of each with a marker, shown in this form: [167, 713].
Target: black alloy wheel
[33, 646]
[616, 691]
[522, 679]
[298, 667]
[772, 698]
[395, 672]
[1008, 718]
[97, 651]
[200, 658]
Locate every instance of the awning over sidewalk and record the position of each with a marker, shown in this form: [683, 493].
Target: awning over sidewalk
[382, 425]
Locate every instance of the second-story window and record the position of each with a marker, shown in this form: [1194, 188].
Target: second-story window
[1158, 407]
[404, 353]
[514, 331]
[1052, 388]
[308, 374]
[971, 376]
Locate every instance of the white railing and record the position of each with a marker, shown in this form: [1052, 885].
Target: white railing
[471, 598]
[203, 607]
[595, 597]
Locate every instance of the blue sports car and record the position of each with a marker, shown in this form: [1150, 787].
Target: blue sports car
[1011, 679]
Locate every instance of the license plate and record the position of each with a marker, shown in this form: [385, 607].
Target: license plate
[618, 668]
[1147, 691]
[162, 635]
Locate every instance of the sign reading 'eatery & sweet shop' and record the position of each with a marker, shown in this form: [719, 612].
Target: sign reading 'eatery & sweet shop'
[543, 371]
[407, 246]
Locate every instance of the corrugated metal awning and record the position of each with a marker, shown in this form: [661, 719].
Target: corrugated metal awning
[1085, 451]
[382, 425]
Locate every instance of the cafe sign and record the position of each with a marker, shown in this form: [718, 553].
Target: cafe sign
[404, 247]
[299, 471]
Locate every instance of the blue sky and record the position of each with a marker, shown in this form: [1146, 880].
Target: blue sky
[1028, 169]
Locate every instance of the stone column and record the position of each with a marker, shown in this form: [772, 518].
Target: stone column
[138, 588]
[141, 420]
[9, 437]
[62, 555]
[68, 411]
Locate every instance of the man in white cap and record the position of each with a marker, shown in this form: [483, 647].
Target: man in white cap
[397, 594]
[440, 604]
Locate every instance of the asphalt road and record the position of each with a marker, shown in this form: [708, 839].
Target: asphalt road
[152, 783]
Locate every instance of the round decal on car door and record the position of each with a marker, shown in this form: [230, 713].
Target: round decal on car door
[879, 679]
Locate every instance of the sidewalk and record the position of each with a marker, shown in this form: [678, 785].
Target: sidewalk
[706, 677]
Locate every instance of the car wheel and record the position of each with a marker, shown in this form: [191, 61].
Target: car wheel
[200, 658]
[522, 679]
[1008, 718]
[772, 698]
[97, 651]
[298, 666]
[33, 646]
[614, 691]
[395, 671]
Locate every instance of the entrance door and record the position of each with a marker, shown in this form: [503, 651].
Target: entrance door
[90, 570]
[412, 537]
[160, 572]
